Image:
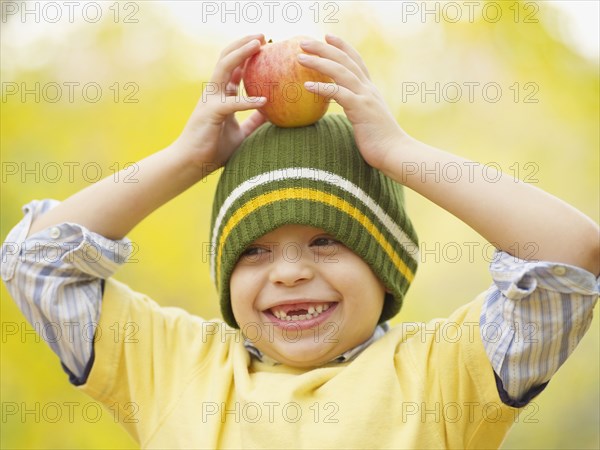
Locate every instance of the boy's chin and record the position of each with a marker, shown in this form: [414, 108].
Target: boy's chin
[301, 356]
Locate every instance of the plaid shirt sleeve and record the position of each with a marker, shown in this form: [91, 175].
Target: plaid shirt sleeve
[55, 277]
[534, 315]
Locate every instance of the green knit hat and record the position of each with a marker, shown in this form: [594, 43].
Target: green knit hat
[315, 176]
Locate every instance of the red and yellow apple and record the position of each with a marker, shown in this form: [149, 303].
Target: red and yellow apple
[275, 73]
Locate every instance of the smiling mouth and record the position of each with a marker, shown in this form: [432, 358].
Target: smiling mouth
[300, 311]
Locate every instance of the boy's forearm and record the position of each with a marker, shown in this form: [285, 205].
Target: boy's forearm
[112, 208]
[511, 214]
[211, 135]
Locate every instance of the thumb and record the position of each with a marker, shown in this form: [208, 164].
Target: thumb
[232, 104]
[255, 120]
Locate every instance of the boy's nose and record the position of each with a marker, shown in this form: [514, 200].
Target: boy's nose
[289, 271]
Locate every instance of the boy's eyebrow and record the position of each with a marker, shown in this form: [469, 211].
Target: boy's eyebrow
[324, 234]
[259, 241]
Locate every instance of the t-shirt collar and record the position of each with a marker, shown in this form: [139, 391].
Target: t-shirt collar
[348, 355]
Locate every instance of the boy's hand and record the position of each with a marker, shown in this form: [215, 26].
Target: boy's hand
[212, 133]
[210, 137]
[510, 214]
[375, 128]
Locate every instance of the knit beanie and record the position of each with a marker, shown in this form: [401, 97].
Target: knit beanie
[312, 175]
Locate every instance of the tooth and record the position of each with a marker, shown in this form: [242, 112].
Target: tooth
[277, 314]
[309, 316]
[288, 318]
[294, 317]
[325, 307]
[319, 309]
[302, 317]
[311, 310]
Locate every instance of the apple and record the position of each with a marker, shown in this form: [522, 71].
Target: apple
[275, 73]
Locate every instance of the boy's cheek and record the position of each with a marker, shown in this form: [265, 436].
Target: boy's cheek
[240, 313]
[247, 317]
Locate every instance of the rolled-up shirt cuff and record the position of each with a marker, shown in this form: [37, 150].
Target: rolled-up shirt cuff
[69, 244]
[535, 314]
[517, 278]
[55, 277]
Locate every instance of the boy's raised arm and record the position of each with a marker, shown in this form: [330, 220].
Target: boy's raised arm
[209, 138]
[504, 212]
[509, 213]
[67, 290]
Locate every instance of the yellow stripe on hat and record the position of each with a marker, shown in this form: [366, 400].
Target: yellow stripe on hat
[312, 195]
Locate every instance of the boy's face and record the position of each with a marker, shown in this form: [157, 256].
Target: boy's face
[303, 298]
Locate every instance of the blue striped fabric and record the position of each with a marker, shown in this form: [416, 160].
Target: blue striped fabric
[534, 315]
[55, 277]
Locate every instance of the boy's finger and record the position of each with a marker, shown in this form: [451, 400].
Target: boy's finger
[233, 86]
[343, 96]
[236, 77]
[240, 42]
[231, 89]
[338, 72]
[231, 105]
[349, 50]
[255, 120]
[333, 53]
[227, 64]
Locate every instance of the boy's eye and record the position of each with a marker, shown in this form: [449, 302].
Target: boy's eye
[253, 251]
[323, 242]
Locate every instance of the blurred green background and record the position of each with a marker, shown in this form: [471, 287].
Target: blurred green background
[534, 113]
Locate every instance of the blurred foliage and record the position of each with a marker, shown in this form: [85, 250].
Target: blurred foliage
[553, 142]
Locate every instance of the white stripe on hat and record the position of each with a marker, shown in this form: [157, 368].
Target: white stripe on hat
[397, 233]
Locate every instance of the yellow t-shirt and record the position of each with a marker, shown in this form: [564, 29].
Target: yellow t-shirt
[179, 381]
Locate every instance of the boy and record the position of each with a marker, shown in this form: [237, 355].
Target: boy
[311, 251]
